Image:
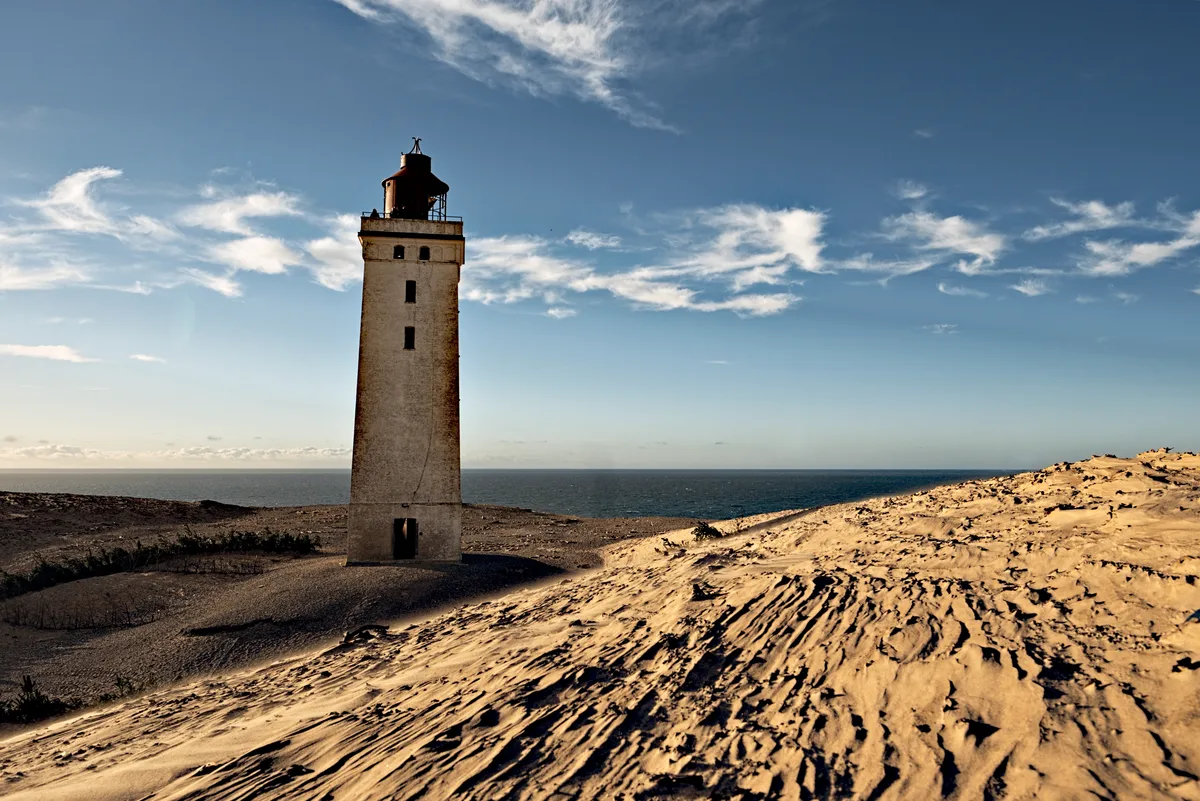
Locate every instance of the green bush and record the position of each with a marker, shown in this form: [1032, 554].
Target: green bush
[706, 531]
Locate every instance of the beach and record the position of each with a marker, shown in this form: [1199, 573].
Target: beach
[1027, 636]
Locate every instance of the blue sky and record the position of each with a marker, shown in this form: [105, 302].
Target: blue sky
[701, 233]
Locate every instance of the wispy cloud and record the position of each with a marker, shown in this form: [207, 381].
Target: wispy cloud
[230, 214]
[1031, 287]
[749, 244]
[1115, 257]
[339, 255]
[70, 206]
[592, 240]
[589, 49]
[910, 190]
[142, 357]
[746, 258]
[64, 453]
[222, 284]
[960, 291]
[58, 353]
[513, 269]
[33, 278]
[923, 133]
[1126, 297]
[949, 236]
[941, 329]
[1091, 215]
[261, 254]
[889, 268]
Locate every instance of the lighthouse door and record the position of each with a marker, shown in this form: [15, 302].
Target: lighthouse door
[404, 538]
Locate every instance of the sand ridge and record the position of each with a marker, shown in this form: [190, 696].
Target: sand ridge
[1031, 636]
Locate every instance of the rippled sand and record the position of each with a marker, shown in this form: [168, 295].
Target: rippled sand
[1033, 636]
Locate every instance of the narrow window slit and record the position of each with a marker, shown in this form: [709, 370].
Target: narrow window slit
[410, 291]
[410, 337]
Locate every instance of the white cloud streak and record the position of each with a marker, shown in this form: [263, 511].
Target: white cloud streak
[221, 284]
[56, 452]
[69, 205]
[960, 291]
[58, 353]
[1031, 287]
[142, 357]
[592, 240]
[1116, 258]
[721, 251]
[702, 260]
[584, 48]
[1091, 215]
[338, 256]
[910, 190]
[948, 236]
[14, 278]
[260, 254]
[229, 215]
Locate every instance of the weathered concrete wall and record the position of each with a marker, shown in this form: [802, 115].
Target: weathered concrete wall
[440, 531]
[406, 424]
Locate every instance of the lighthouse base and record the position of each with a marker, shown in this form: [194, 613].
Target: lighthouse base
[403, 533]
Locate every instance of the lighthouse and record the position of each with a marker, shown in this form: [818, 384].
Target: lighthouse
[405, 481]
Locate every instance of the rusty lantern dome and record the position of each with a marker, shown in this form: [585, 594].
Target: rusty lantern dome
[414, 192]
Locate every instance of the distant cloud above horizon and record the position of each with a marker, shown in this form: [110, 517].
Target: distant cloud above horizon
[64, 455]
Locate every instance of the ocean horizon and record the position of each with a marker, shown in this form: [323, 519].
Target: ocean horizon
[700, 493]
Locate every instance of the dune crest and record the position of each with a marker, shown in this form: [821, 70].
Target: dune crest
[1032, 636]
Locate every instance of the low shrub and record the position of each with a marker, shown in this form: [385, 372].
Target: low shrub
[706, 531]
[108, 561]
[31, 705]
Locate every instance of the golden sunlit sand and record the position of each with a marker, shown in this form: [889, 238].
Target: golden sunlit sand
[1032, 636]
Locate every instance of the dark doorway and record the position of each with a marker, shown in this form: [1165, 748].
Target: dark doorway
[404, 538]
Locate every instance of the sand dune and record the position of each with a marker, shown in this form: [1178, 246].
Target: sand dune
[76, 641]
[1033, 636]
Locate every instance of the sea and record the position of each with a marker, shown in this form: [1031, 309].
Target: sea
[700, 494]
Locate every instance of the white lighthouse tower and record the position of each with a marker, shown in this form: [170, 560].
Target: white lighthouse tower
[405, 484]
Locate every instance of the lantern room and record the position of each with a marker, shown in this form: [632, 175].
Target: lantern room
[414, 192]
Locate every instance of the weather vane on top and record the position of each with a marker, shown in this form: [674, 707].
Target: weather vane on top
[416, 148]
